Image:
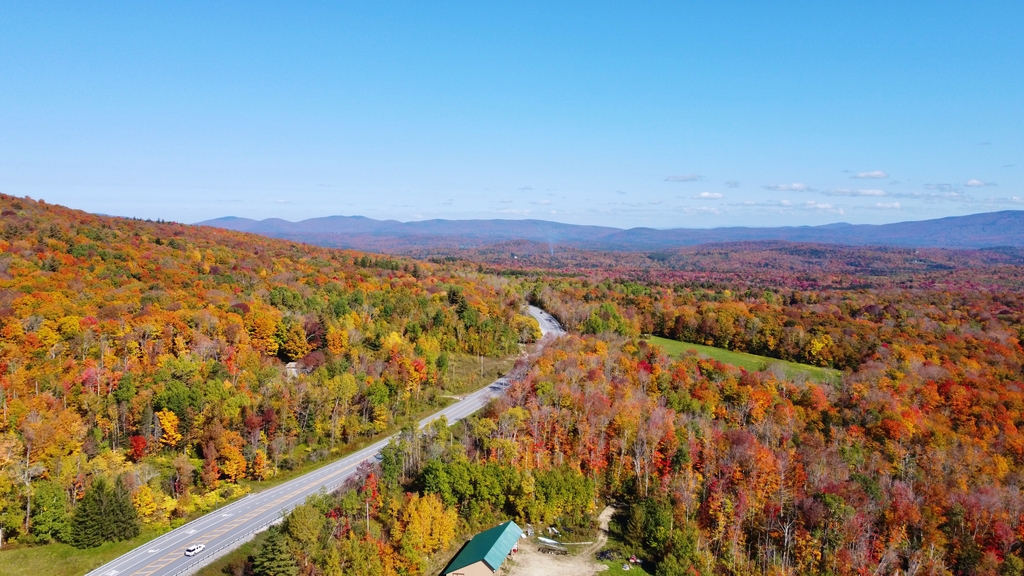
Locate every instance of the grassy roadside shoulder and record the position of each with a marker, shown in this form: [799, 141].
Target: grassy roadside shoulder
[749, 362]
[66, 560]
[464, 376]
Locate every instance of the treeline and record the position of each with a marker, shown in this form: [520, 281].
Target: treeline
[159, 356]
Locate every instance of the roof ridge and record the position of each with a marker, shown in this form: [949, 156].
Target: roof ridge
[490, 546]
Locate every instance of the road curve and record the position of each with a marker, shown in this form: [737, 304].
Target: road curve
[229, 527]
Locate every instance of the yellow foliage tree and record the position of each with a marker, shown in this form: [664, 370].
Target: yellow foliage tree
[393, 340]
[229, 449]
[425, 524]
[262, 328]
[145, 503]
[294, 344]
[337, 341]
[526, 327]
[381, 417]
[169, 436]
[47, 336]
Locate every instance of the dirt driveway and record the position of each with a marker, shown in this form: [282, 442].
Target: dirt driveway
[531, 562]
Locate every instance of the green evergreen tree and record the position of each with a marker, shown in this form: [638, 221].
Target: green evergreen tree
[657, 526]
[123, 521]
[87, 523]
[274, 558]
[104, 514]
[681, 553]
[635, 523]
[50, 513]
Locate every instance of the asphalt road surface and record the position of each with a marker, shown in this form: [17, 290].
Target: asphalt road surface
[229, 527]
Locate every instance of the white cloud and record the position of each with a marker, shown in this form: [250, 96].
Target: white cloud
[701, 210]
[505, 201]
[945, 193]
[284, 202]
[685, 178]
[708, 196]
[848, 192]
[821, 207]
[887, 205]
[655, 202]
[787, 206]
[1010, 200]
[794, 187]
[871, 175]
[541, 202]
[974, 183]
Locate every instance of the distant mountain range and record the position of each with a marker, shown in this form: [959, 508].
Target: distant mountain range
[987, 230]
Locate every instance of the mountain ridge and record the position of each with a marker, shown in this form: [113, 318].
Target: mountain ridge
[982, 230]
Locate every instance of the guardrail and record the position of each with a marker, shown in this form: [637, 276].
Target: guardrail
[224, 549]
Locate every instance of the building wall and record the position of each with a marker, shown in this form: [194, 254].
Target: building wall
[475, 569]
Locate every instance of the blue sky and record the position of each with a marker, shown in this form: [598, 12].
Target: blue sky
[624, 114]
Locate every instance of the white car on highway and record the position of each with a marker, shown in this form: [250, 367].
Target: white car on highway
[194, 549]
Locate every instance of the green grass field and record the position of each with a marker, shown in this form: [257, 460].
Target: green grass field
[750, 362]
[64, 559]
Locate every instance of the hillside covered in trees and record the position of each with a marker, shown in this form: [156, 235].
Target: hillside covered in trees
[171, 362]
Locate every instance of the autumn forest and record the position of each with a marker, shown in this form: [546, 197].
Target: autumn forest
[152, 371]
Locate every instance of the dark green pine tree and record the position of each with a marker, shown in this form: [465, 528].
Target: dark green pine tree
[275, 559]
[123, 523]
[87, 523]
[635, 523]
[104, 514]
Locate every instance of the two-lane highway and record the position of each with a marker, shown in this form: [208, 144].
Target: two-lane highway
[229, 527]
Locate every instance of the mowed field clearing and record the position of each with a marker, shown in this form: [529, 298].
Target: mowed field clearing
[749, 362]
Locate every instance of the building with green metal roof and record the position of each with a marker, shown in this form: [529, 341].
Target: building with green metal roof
[484, 554]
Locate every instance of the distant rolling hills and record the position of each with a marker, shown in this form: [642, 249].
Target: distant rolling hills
[986, 230]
